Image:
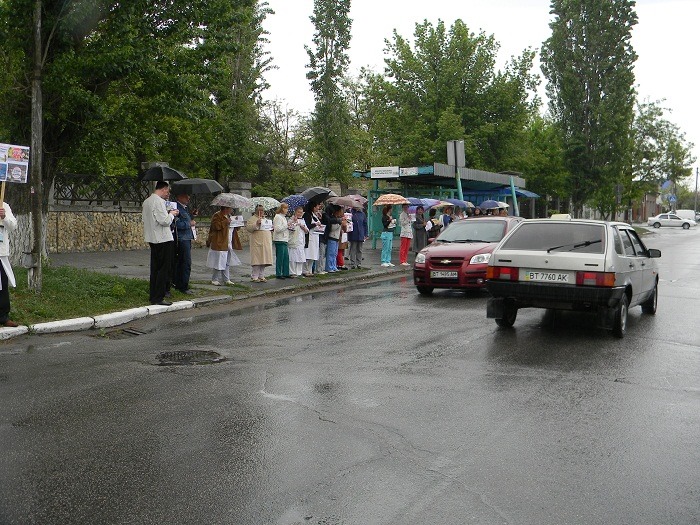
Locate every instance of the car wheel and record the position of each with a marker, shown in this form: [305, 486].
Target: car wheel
[620, 325]
[686, 225]
[425, 290]
[657, 225]
[510, 312]
[649, 306]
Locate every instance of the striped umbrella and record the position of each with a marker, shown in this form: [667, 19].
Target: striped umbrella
[391, 198]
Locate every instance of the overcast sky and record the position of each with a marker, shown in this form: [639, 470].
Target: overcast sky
[665, 39]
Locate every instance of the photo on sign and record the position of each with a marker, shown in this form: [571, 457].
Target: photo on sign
[18, 153]
[16, 172]
[3, 171]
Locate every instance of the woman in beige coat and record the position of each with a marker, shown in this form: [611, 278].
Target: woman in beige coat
[260, 242]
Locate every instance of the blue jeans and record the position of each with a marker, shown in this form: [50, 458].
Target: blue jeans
[387, 241]
[331, 255]
[183, 265]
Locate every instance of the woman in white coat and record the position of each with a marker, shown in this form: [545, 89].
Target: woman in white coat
[8, 224]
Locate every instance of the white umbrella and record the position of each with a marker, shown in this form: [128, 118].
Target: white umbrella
[267, 202]
[231, 200]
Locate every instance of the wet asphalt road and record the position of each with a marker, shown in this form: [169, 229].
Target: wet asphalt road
[368, 405]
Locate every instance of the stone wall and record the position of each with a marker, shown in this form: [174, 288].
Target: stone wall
[70, 231]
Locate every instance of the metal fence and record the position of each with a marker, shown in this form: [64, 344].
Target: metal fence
[89, 190]
[114, 193]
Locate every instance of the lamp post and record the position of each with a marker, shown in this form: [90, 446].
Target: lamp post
[696, 192]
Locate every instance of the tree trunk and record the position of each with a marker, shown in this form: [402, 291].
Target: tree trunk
[37, 186]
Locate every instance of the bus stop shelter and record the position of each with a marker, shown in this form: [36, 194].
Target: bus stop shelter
[439, 181]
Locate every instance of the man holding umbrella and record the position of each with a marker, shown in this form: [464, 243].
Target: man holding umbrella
[156, 231]
[184, 224]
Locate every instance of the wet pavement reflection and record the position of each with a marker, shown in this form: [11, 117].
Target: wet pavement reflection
[363, 404]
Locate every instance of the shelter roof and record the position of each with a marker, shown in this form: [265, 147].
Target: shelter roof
[443, 175]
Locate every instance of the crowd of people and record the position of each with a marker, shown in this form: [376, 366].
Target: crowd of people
[309, 240]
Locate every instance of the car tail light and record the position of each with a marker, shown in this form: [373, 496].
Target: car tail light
[595, 279]
[503, 273]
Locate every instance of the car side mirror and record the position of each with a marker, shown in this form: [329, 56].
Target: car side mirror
[653, 253]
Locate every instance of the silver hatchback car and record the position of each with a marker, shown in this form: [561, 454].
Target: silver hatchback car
[573, 265]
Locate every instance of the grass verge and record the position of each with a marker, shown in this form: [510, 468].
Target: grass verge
[68, 293]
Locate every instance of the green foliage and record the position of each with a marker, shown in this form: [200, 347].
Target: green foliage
[661, 151]
[285, 138]
[588, 61]
[331, 148]
[127, 82]
[543, 159]
[445, 87]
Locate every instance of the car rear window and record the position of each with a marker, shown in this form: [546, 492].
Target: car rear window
[474, 230]
[558, 237]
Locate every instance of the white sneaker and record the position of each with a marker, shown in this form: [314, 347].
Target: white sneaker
[391, 264]
[216, 283]
[386, 265]
[405, 264]
[230, 283]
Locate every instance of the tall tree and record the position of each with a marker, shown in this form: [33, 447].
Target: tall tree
[285, 138]
[331, 149]
[232, 48]
[445, 86]
[127, 82]
[589, 61]
[543, 162]
[661, 151]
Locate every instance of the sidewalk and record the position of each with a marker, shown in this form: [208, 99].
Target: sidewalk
[135, 264]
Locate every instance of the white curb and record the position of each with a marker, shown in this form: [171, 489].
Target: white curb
[66, 325]
[154, 309]
[8, 333]
[117, 318]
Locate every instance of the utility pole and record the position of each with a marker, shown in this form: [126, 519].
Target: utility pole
[696, 192]
[455, 157]
[37, 185]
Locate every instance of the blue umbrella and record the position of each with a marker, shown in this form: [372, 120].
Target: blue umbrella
[428, 203]
[295, 201]
[460, 203]
[489, 205]
[415, 201]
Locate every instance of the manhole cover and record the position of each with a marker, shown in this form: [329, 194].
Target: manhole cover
[189, 357]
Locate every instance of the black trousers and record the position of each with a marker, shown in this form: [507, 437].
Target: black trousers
[162, 255]
[4, 297]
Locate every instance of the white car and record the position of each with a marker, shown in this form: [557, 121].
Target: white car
[670, 219]
[575, 264]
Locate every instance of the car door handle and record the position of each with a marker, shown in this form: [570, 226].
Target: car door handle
[631, 265]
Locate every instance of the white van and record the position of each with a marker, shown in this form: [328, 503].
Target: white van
[688, 214]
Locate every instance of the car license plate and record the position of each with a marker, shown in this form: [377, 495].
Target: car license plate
[546, 277]
[443, 275]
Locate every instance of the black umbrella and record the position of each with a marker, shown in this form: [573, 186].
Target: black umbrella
[162, 173]
[192, 186]
[318, 193]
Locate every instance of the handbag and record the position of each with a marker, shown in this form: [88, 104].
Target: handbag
[236, 241]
